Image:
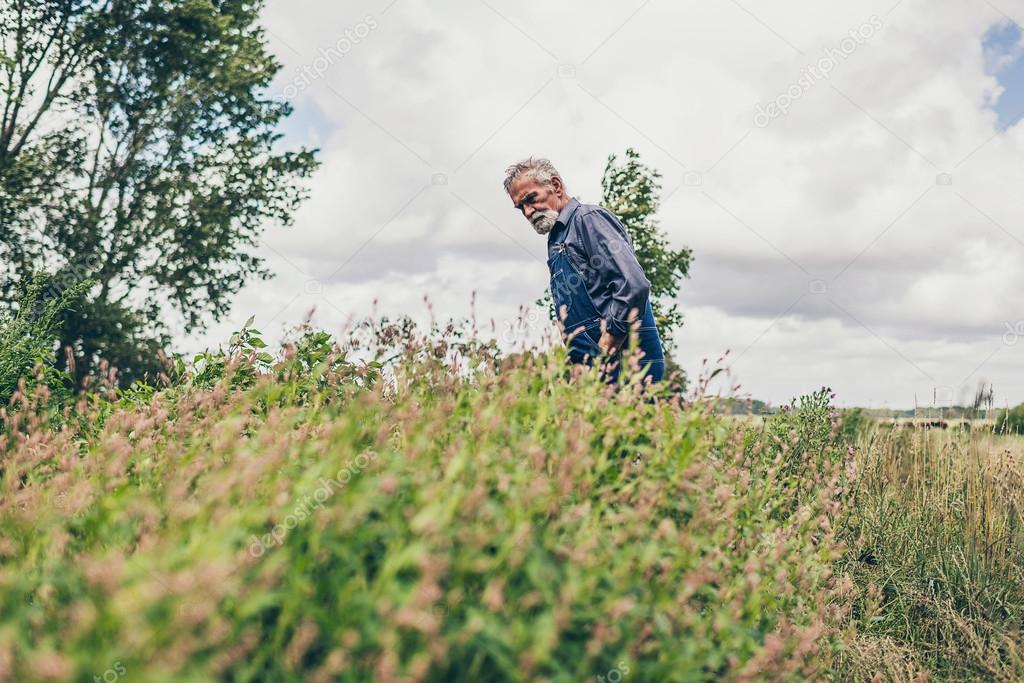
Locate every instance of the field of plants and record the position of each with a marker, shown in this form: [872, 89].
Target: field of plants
[437, 512]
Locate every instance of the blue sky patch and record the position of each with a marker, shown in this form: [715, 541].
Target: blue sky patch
[1004, 59]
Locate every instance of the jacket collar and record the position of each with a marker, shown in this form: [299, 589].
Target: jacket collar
[567, 211]
[564, 216]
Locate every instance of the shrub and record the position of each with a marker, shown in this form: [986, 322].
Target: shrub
[28, 336]
[1010, 421]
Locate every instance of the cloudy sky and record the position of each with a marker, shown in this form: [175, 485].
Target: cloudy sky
[848, 174]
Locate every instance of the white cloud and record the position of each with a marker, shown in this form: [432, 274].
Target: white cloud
[919, 277]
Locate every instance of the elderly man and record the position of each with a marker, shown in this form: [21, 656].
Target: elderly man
[599, 289]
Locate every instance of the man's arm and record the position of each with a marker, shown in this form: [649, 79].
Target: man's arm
[611, 257]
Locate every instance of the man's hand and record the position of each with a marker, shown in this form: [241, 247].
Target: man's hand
[609, 343]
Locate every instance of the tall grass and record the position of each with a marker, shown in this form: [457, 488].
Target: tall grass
[936, 546]
[317, 521]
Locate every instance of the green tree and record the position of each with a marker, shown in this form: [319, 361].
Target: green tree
[138, 149]
[632, 191]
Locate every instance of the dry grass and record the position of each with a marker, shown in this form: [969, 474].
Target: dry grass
[936, 548]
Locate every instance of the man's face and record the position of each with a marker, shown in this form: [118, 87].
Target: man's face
[539, 203]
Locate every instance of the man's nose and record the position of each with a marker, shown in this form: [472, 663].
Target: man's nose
[528, 211]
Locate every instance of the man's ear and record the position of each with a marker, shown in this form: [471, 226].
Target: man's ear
[558, 186]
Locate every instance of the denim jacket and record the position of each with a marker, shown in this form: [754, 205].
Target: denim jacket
[596, 243]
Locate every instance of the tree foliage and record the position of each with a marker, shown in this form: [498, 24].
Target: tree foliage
[138, 150]
[1010, 421]
[632, 190]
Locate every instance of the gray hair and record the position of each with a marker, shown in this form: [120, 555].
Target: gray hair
[541, 170]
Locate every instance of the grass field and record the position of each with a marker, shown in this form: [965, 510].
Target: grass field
[462, 517]
[936, 549]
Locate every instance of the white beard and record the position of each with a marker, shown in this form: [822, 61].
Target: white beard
[543, 221]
